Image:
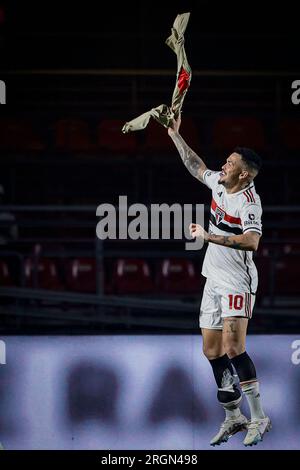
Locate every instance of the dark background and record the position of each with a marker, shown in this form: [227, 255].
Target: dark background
[227, 35]
[74, 74]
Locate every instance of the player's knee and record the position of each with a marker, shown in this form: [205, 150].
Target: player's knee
[211, 353]
[228, 397]
[233, 349]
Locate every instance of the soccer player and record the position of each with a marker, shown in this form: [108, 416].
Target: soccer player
[231, 282]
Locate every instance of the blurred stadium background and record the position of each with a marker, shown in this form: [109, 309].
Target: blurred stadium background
[74, 75]
[73, 78]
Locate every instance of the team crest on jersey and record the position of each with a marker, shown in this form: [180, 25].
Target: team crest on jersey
[219, 214]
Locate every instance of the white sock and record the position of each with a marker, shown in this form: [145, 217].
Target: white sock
[251, 391]
[232, 409]
[232, 413]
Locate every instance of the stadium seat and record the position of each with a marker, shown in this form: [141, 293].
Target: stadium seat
[19, 134]
[73, 135]
[5, 275]
[290, 133]
[178, 276]
[47, 276]
[81, 276]
[157, 136]
[157, 139]
[111, 138]
[229, 132]
[131, 276]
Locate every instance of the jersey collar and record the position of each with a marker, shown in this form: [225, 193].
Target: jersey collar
[251, 185]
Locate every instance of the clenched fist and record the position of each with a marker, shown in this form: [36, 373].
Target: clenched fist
[196, 231]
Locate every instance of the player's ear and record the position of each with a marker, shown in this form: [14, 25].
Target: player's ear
[244, 175]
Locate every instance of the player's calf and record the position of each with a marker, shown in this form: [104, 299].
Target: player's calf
[260, 423]
[230, 398]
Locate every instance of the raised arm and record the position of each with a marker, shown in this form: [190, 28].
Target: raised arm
[192, 161]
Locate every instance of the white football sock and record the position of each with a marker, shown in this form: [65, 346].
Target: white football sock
[232, 409]
[251, 390]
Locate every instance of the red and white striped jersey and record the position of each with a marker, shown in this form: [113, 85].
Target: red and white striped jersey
[231, 214]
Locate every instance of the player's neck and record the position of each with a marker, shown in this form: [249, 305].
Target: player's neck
[237, 187]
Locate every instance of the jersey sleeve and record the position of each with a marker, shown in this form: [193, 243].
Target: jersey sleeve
[211, 178]
[251, 218]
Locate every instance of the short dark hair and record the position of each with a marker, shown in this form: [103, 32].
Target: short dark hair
[249, 157]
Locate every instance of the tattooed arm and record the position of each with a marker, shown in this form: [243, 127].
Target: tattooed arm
[247, 241]
[192, 161]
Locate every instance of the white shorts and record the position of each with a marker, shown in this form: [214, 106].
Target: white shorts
[220, 302]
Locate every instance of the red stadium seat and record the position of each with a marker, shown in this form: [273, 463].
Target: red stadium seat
[290, 133]
[229, 132]
[19, 134]
[47, 276]
[157, 138]
[81, 276]
[5, 275]
[178, 276]
[111, 138]
[73, 135]
[132, 276]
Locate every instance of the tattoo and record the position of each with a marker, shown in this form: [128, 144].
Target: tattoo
[245, 241]
[191, 160]
[231, 243]
[232, 325]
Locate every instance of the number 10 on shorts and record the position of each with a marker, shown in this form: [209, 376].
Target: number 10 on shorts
[236, 302]
[242, 302]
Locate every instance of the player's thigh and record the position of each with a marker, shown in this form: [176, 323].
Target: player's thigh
[235, 328]
[234, 335]
[212, 343]
[236, 310]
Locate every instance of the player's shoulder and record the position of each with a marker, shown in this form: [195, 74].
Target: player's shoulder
[211, 178]
[249, 196]
[212, 174]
